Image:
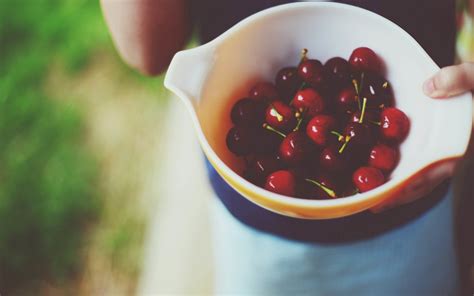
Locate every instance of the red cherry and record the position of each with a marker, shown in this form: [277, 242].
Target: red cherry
[346, 100]
[280, 116]
[337, 70]
[348, 189]
[358, 139]
[262, 166]
[319, 129]
[365, 59]
[360, 135]
[281, 182]
[295, 148]
[371, 117]
[311, 71]
[376, 89]
[287, 82]
[266, 141]
[247, 112]
[309, 102]
[367, 178]
[394, 125]
[320, 186]
[264, 91]
[333, 161]
[384, 158]
[240, 141]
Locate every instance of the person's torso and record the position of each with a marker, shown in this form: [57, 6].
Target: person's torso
[430, 22]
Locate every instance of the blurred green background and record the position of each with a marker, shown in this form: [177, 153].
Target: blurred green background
[64, 227]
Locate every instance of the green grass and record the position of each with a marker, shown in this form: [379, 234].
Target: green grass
[48, 190]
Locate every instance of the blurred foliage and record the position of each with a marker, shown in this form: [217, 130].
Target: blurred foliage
[47, 177]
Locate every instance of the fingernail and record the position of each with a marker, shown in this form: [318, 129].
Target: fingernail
[429, 87]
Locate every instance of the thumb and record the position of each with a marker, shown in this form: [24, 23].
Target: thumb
[450, 81]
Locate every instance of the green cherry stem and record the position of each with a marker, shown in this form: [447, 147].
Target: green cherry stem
[329, 191]
[270, 128]
[356, 86]
[364, 105]
[303, 86]
[340, 137]
[300, 120]
[348, 138]
[247, 161]
[375, 122]
[304, 52]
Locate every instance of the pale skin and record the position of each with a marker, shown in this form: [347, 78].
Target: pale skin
[147, 33]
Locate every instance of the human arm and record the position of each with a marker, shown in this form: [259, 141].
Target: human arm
[147, 33]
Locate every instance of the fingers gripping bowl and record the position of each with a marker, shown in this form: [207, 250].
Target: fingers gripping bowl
[211, 78]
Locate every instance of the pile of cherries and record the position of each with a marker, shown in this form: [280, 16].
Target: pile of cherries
[321, 131]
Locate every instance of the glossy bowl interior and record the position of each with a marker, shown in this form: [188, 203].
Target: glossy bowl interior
[210, 78]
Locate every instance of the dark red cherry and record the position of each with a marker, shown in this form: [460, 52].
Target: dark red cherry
[367, 178]
[266, 141]
[311, 71]
[248, 113]
[320, 186]
[319, 129]
[295, 148]
[365, 59]
[394, 125]
[376, 89]
[308, 102]
[287, 82]
[332, 160]
[371, 117]
[359, 135]
[346, 100]
[348, 189]
[265, 91]
[240, 141]
[338, 71]
[282, 182]
[383, 157]
[250, 175]
[264, 165]
[280, 116]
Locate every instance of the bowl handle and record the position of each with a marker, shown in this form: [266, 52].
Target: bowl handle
[188, 71]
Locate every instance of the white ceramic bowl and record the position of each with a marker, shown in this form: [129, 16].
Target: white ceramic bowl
[210, 78]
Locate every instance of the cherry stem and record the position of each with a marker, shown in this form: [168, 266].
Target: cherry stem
[328, 190]
[300, 120]
[385, 85]
[356, 86]
[303, 86]
[348, 138]
[276, 113]
[247, 162]
[270, 128]
[340, 136]
[304, 52]
[364, 105]
[375, 122]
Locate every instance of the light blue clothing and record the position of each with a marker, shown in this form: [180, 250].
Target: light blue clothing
[417, 258]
